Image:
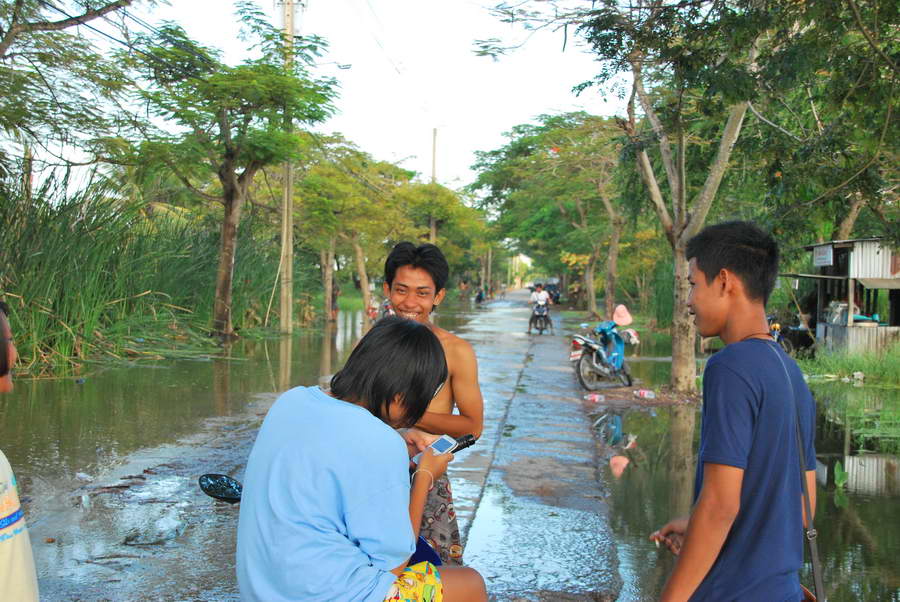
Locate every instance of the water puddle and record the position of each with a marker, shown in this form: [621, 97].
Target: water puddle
[108, 463]
[858, 522]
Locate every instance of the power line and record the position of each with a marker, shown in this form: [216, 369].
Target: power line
[92, 28]
[167, 37]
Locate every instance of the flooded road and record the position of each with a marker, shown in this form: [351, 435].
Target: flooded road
[858, 523]
[109, 466]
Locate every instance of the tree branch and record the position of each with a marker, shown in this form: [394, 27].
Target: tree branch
[665, 148]
[88, 15]
[704, 199]
[645, 169]
[869, 38]
[767, 122]
[867, 164]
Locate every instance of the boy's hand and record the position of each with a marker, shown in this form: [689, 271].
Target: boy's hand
[417, 440]
[435, 464]
[672, 534]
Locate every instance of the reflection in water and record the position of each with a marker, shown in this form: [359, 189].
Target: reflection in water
[859, 528]
[285, 355]
[52, 429]
[681, 458]
[221, 385]
[327, 353]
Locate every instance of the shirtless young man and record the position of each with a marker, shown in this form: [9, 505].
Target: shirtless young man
[414, 281]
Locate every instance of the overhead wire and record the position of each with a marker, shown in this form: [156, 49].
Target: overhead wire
[92, 28]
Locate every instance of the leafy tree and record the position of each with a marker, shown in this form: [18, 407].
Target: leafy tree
[55, 83]
[825, 137]
[346, 196]
[564, 167]
[229, 119]
[685, 59]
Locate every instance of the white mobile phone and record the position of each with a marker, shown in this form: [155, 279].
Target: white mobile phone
[442, 445]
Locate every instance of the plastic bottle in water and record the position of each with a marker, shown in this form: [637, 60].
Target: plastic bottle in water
[594, 397]
[645, 394]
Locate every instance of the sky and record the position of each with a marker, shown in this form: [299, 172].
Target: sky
[412, 68]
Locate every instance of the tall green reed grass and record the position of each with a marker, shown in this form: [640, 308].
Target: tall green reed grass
[879, 367]
[88, 276]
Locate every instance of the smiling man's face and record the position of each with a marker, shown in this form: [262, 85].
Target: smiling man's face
[412, 293]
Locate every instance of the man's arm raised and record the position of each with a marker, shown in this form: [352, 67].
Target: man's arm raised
[466, 395]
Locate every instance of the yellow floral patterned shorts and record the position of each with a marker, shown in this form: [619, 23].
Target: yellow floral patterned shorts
[418, 583]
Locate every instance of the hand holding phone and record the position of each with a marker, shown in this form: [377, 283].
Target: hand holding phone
[445, 444]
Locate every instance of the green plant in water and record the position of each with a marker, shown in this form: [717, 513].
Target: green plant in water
[840, 476]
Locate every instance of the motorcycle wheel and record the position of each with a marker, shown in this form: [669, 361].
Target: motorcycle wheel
[541, 324]
[786, 345]
[584, 370]
[624, 375]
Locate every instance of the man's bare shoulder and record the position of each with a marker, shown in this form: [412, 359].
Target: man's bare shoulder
[455, 347]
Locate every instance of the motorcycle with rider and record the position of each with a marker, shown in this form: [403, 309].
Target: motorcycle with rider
[540, 309]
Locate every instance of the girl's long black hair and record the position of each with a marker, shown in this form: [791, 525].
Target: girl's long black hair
[397, 359]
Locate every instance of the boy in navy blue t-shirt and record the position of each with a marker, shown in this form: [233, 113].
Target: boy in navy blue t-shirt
[744, 537]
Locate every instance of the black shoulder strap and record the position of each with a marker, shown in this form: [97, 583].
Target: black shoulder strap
[811, 532]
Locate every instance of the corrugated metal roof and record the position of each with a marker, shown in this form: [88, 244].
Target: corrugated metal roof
[841, 242]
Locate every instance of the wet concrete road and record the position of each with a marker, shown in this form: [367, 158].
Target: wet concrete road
[539, 530]
[527, 495]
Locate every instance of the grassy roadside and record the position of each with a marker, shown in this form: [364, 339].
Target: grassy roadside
[90, 278]
[881, 367]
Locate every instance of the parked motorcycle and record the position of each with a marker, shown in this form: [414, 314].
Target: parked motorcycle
[602, 360]
[540, 317]
[776, 333]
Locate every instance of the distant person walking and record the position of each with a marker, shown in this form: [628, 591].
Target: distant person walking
[18, 579]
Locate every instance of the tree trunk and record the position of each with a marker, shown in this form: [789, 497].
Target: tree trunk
[432, 230]
[490, 275]
[222, 323]
[684, 366]
[361, 271]
[612, 266]
[483, 274]
[328, 279]
[845, 229]
[27, 172]
[642, 282]
[589, 289]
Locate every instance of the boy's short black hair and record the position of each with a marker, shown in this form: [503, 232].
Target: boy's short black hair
[740, 247]
[397, 357]
[5, 333]
[426, 256]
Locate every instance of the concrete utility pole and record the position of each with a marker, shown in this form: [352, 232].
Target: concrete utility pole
[287, 198]
[432, 223]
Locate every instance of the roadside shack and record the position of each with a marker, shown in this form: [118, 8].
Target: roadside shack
[853, 277]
